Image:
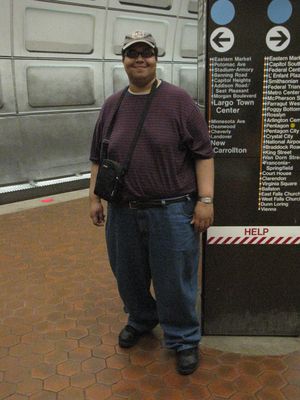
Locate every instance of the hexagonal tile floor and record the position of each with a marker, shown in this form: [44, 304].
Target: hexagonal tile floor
[60, 315]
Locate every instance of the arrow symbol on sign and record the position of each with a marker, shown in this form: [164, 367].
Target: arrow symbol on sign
[281, 39]
[218, 39]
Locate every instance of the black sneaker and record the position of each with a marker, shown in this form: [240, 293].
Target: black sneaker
[129, 336]
[187, 360]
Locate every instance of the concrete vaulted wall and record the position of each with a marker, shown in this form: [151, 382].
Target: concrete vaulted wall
[59, 60]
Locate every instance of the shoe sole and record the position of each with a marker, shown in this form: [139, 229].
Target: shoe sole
[187, 371]
[126, 345]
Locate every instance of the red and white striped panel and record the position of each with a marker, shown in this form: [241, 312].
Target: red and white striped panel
[254, 235]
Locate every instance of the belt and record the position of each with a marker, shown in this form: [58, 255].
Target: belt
[138, 204]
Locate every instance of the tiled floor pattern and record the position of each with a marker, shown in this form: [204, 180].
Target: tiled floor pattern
[60, 315]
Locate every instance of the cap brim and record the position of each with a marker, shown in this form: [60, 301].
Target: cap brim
[138, 41]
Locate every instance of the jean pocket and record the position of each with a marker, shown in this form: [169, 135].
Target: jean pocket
[188, 208]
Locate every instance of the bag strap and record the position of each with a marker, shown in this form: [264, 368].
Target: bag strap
[140, 126]
[105, 142]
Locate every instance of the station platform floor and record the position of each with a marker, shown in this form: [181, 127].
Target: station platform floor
[60, 315]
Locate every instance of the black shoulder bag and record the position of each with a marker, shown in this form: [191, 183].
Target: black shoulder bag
[110, 177]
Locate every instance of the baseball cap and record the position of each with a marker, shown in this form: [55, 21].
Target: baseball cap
[137, 37]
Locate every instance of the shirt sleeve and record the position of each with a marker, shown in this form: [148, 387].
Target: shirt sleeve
[197, 136]
[97, 139]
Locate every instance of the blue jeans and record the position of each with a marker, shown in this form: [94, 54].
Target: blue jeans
[157, 244]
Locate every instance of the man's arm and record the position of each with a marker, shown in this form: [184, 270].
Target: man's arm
[204, 213]
[96, 207]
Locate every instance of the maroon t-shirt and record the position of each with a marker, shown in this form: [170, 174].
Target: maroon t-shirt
[174, 134]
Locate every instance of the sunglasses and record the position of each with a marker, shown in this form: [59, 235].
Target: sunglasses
[146, 53]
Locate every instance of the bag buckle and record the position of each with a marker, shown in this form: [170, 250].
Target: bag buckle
[131, 205]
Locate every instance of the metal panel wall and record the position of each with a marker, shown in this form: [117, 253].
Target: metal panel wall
[11, 151]
[185, 77]
[59, 60]
[57, 146]
[48, 85]
[5, 43]
[160, 7]
[45, 29]
[90, 3]
[189, 8]
[7, 100]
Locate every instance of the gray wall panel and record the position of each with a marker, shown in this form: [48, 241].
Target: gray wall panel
[5, 43]
[189, 8]
[185, 77]
[57, 144]
[200, 34]
[56, 30]
[93, 3]
[7, 98]
[185, 48]
[60, 86]
[192, 7]
[120, 23]
[71, 40]
[57, 85]
[115, 78]
[161, 4]
[188, 45]
[168, 7]
[11, 152]
[201, 82]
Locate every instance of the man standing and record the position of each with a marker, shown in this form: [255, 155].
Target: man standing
[152, 233]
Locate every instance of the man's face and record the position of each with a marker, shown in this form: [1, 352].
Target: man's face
[140, 69]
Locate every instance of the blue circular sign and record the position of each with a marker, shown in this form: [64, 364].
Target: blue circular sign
[222, 12]
[279, 11]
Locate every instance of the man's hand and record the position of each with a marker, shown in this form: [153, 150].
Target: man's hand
[203, 216]
[96, 208]
[97, 212]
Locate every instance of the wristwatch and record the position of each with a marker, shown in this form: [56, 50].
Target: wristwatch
[205, 200]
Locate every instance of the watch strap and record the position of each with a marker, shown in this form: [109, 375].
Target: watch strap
[205, 199]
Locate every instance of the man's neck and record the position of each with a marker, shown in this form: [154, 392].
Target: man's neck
[141, 89]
